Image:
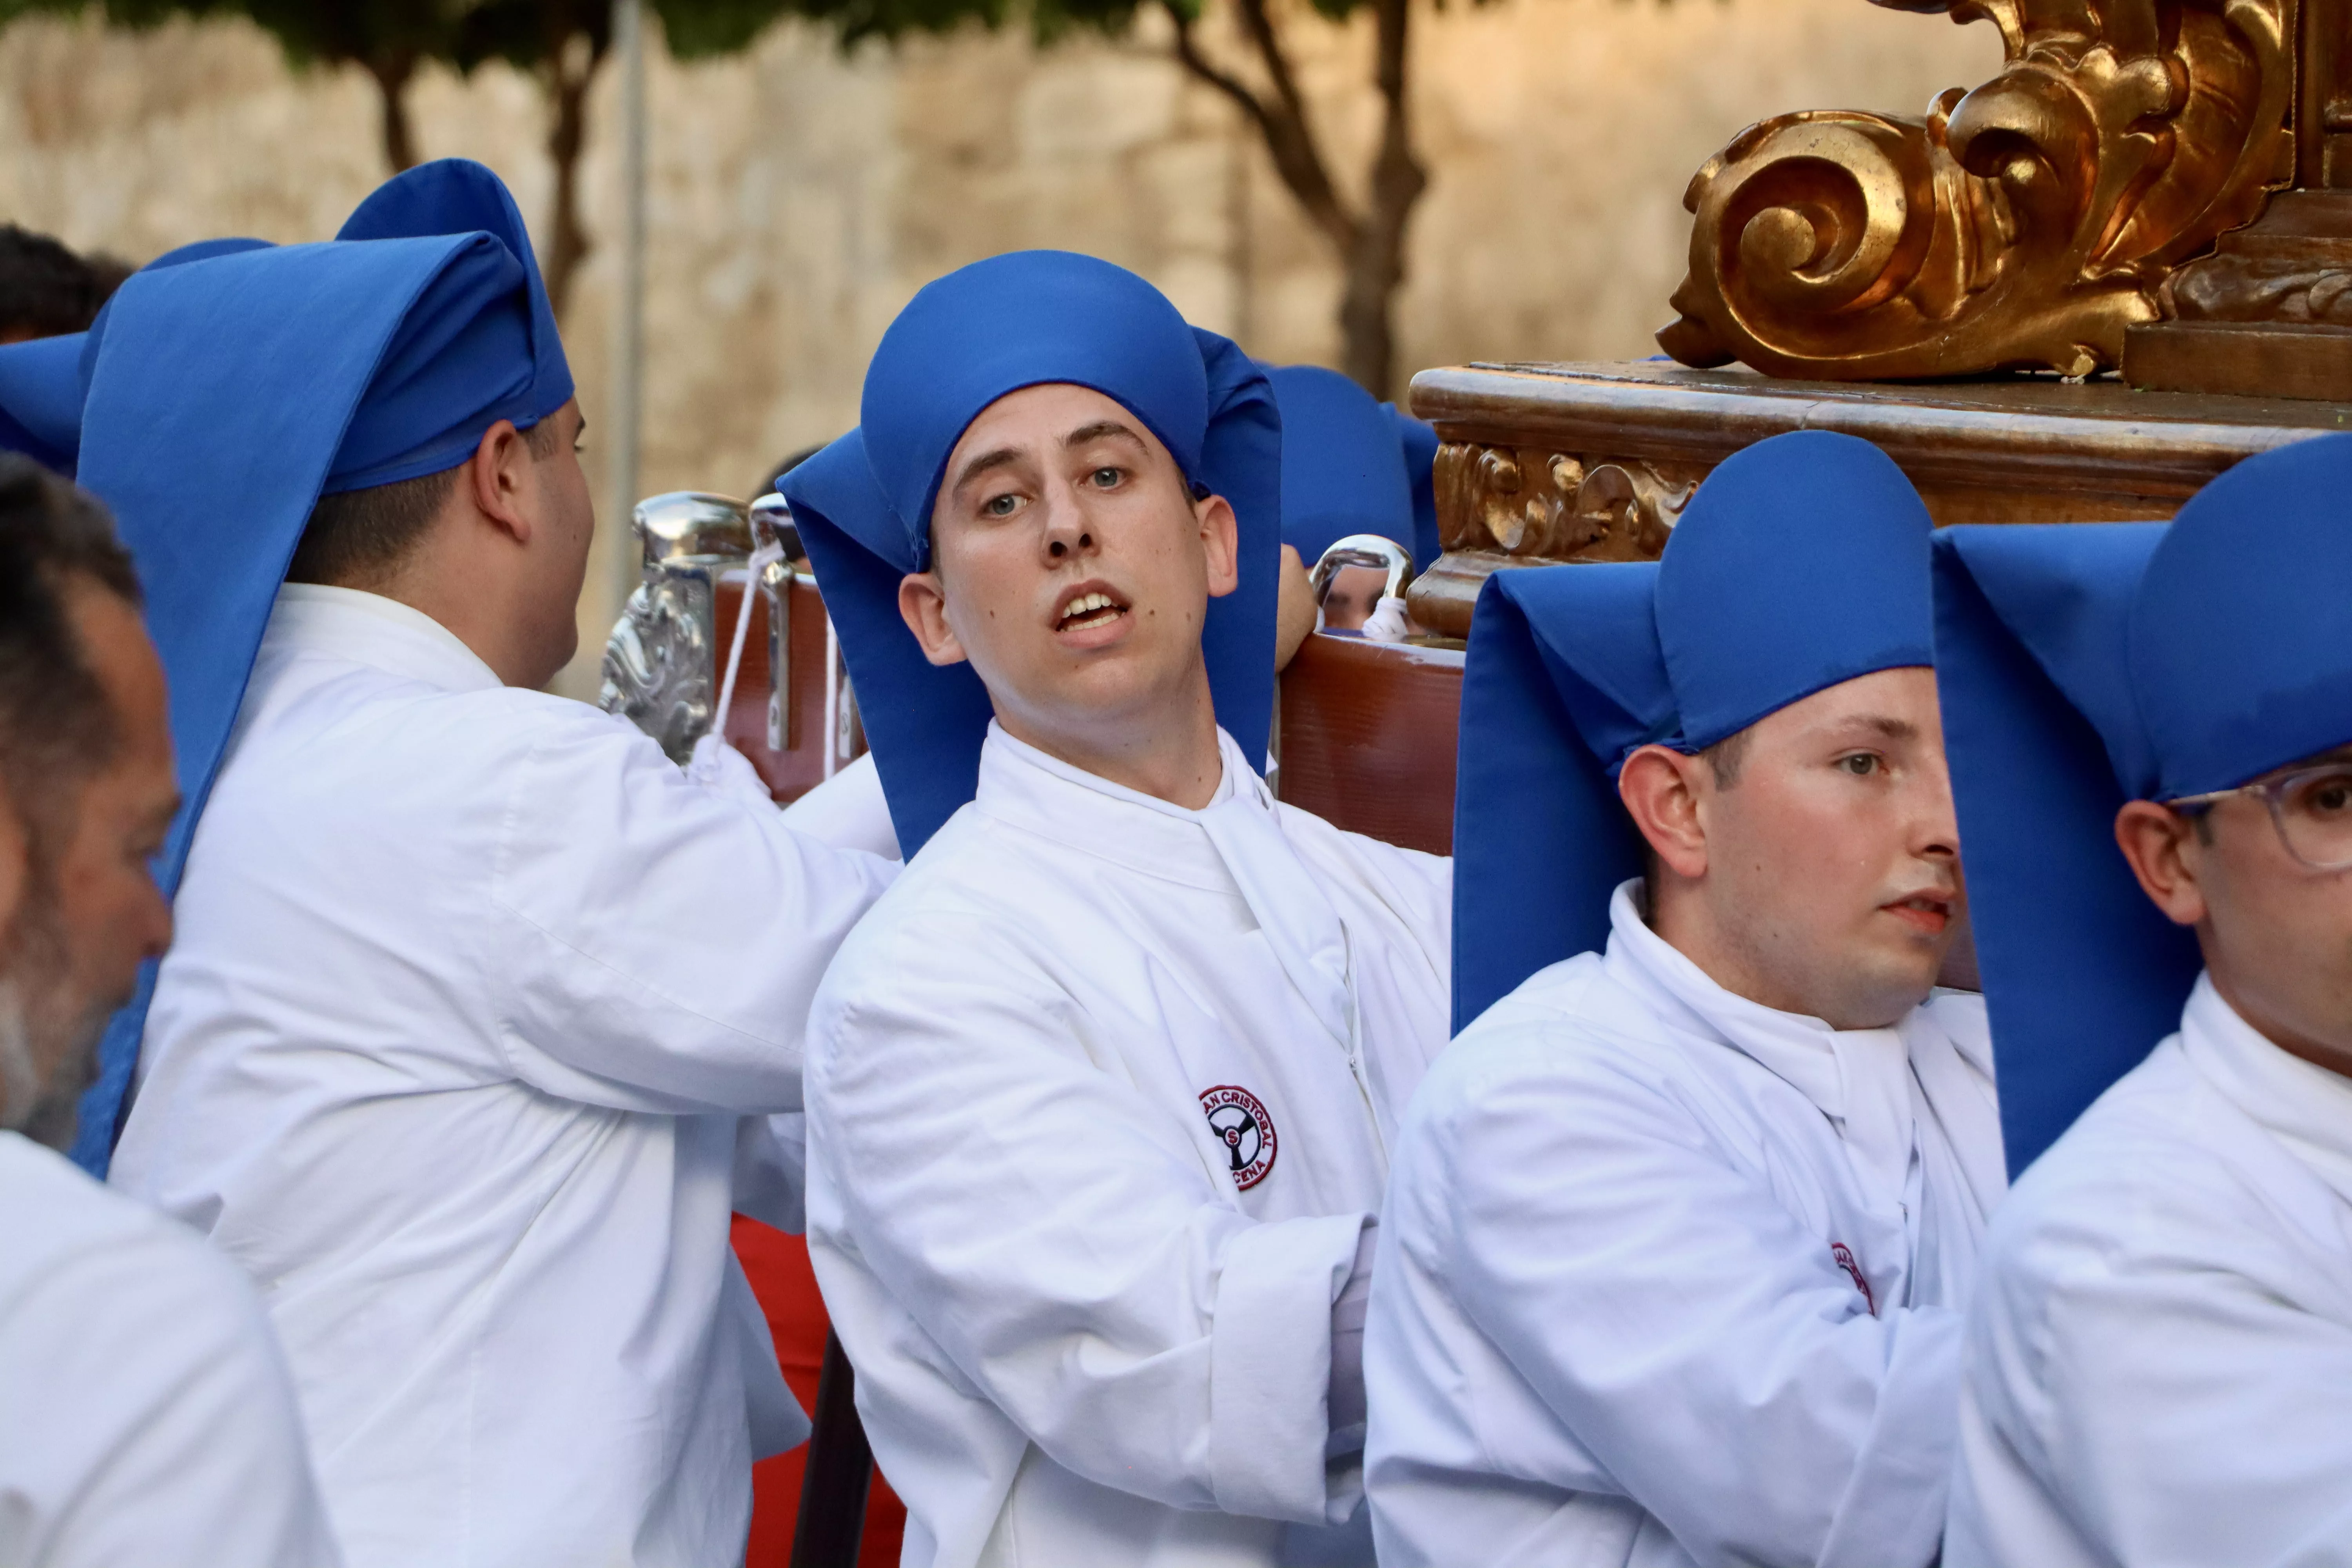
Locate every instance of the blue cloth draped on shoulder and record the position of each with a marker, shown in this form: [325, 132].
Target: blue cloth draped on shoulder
[2082, 666]
[228, 394]
[1802, 563]
[864, 503]
[44, 381]
[1351, 466]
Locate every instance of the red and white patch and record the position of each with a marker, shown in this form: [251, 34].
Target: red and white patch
[1238, 1118]
[1844, 1256]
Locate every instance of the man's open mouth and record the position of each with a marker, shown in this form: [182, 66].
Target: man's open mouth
[1924, 911]
[1088, 611]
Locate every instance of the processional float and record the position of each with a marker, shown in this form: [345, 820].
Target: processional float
[2074, 293]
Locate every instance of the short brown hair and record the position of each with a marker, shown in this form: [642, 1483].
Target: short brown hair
[358, 537]
[44, 288]
[58, 724]
[1722, 758]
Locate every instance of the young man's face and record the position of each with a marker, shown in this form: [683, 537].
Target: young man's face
[1071, 565]
[2276, 933]
[88, 912]
[1825, 874]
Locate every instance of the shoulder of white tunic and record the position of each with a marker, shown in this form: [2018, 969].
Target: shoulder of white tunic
[1567, 1024]
[2159, 1159]
[120, 1263]
[360, 710]
[969, 892]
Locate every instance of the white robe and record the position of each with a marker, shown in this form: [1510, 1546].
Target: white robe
[2159, 1354]
[1099, 1101]
[465, 1051]
[1668, 1278]
[145, 1412]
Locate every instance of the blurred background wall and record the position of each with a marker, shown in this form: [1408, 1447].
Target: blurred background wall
[798, 196]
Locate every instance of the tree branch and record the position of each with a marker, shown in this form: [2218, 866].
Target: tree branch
[1189, 56]
[1282, 124]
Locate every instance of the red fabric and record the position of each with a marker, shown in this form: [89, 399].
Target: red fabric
[778, 1267]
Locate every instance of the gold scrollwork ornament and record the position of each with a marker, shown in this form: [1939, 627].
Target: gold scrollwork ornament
[2027, 223]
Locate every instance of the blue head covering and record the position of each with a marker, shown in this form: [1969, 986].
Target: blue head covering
[1802, 563]
[41, 400]
[228, 394]
[44, 381]
[435, 373]
[864, 503]
[1418, 441]
[1343, 464]
[2082, 666]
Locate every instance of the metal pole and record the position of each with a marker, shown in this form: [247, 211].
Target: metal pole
[628, 315]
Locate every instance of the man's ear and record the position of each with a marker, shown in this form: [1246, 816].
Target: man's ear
[1220, 540]
[498, 474]
[923, 606]
[2155, 842]
[1660, 791]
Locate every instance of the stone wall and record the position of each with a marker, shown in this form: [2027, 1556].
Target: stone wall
[799, 195]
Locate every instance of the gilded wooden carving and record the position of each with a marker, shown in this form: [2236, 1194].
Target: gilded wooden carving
[2029, 222]
[1527, 503]
[1524, 505]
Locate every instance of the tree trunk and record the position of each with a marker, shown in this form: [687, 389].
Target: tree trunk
[571, 66]
[1376, 262]
[392, 73]
[1369, 245]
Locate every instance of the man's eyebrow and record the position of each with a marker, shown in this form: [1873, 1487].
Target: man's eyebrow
[981, 464]
[1097, 430]
[1884, 724]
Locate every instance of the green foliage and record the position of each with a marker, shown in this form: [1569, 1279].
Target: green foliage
[525, 33]
[695, 29]
[460, 33]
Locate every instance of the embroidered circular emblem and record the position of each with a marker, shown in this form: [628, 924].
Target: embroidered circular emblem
[1239, 1119]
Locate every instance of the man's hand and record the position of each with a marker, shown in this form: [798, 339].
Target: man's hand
[1294, 615]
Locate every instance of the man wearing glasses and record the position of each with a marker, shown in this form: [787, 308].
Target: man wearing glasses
[2159, 1351]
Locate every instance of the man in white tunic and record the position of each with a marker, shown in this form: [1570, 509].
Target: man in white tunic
[1679, 1228]
[2159, 1351]
[479, 1010]
[145, 1412]
[1100, 1094]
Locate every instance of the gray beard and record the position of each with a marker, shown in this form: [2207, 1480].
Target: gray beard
[20, 1075]
[48, 1111]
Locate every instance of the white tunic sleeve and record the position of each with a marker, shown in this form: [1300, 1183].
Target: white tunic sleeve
[655, 944]
[1679, 1324]
[1061, 1242]
[145, 1413]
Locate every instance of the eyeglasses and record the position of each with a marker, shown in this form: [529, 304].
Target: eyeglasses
[2311, 808]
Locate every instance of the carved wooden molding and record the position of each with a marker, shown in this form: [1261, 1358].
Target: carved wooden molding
[1596, 462]
[2029, 222]
[1502, 506]
[1539, 505]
